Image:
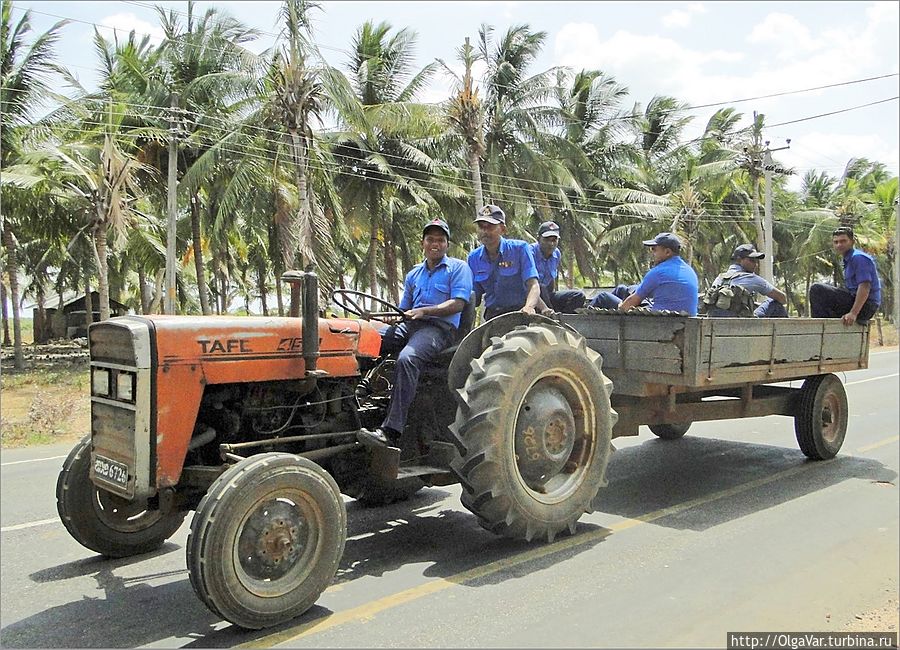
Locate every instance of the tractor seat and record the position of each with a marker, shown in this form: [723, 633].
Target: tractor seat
[466, 320]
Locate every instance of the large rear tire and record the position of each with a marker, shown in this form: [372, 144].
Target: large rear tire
[534, 426]
[266, 540]
[821, 419]
[104, 522]
[670, 431]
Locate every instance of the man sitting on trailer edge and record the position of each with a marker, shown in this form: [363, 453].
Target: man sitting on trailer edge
[671, 283]
[860, 299]
[434, 294]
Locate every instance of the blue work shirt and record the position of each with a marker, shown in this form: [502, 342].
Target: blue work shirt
[547, 268]
[859, 267]
[672, 285]
[424, 287]
[750, 281]
[503, 281]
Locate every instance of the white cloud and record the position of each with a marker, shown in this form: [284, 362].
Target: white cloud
[785, 35]
[126, 22]
[829, 152]
[679, 18]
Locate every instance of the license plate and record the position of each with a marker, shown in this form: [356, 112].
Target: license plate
[111, 471]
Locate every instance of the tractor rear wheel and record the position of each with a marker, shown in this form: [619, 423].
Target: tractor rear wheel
[534, 427]
[104, 522]
[266, 539]
[821, 419]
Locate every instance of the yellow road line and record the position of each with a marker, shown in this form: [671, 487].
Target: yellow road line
[876, 445]
[368, 610]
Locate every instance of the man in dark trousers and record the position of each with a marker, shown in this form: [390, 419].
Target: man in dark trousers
[738, 285]
[547, 258]
[504, 271]
[860, 298]
[434, 294]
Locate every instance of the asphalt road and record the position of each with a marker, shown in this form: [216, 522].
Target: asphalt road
[728, 529]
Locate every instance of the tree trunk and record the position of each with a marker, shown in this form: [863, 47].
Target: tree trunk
[156, 305]
[261, 283]
[9, 241]
[100, 250]
[5, 312]
[475, 167]
[88, 297]
[374, 217]
[305, 234]
[145, 298]
[390, 261]
[197, 243]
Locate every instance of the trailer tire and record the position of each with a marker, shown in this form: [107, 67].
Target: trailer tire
[352, 473]
[104, 522]
[266, 540]
[820, 422]
[534, 429]
[670, 431]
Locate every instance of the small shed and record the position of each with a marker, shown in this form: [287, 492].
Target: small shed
[70, 319]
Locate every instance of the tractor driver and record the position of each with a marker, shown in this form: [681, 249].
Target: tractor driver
[503, 269]
[434, 294]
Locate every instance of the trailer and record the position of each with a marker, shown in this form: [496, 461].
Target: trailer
[670, 371]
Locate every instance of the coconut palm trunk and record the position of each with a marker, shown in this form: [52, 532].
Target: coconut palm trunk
[101, 250]
[9, 241]
[475, 167]
[198, 255]
[5, 313]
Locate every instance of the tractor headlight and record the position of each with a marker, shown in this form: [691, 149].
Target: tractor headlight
[125, 386]
[100, 382]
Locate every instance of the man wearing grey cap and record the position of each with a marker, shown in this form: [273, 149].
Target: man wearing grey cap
[504, 270]
[731, 294]
[547, 260]
[671, 283]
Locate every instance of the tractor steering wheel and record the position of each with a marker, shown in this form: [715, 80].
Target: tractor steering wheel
[346, 300]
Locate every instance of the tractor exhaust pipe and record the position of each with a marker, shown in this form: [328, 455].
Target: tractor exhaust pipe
[305, 295]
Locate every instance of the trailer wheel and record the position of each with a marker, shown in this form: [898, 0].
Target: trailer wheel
[351, 472]
[670, 431]
[104, 522]
[821, 419]
[266, 539]
[534, 427]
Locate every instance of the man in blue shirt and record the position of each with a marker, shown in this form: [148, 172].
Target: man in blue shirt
[742, 273]
[547, 258]
[861, 298]
[671, 283]
[503, 269]
[434, 294]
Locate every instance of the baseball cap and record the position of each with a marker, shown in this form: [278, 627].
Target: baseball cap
[549, 229]
[437, 223]
[491, 214]
[746, 250]
[666, 239]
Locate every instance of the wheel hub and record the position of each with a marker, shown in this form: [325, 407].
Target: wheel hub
[545, 434]
[272, 540]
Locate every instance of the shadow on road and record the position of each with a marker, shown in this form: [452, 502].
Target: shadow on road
[429, 529]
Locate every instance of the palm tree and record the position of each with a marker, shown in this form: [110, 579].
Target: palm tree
[25, 71]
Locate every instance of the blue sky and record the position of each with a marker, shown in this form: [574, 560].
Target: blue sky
[699, 52]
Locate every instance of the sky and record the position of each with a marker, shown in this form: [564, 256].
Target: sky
[706, 54]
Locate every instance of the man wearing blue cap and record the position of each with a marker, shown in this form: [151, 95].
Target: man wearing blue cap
[504, 271]
[547, 258]
[732, 293]
[434, 294]
[671, 283]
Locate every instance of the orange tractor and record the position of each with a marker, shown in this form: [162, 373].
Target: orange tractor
[251, 422]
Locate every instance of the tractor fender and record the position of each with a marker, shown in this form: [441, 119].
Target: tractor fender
[478, 340]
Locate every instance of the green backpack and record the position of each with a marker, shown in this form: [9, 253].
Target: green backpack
[722, 294]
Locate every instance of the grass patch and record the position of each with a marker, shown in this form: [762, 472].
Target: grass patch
[44, 406]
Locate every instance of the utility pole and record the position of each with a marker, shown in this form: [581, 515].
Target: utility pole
[768, 268]
[173, 208]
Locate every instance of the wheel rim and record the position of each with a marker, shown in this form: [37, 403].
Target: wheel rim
[123, 515]
[554, 436]
[831, 417]
[276, 543]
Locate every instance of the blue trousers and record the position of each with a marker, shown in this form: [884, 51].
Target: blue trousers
[565, 302]
[418, 343]
[612, 299]
[829, 301]
[770, 308]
